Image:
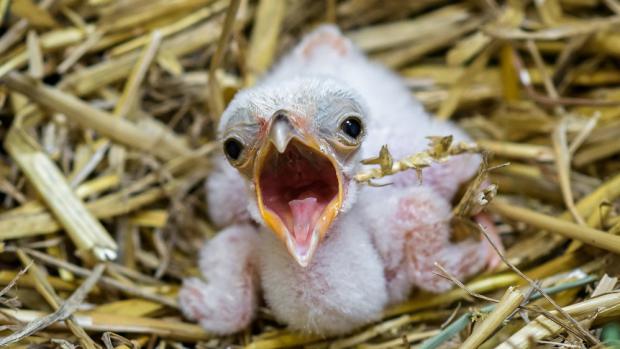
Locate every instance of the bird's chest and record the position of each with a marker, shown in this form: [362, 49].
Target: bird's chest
[344, 284]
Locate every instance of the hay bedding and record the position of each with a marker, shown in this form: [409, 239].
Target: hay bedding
[108, 110]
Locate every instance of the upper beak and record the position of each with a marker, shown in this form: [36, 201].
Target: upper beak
[281, 133]
[299, 188]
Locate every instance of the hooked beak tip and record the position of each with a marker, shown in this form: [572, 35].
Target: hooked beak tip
[281, 134]
[280, 146]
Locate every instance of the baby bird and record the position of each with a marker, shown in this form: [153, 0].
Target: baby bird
[325, 253]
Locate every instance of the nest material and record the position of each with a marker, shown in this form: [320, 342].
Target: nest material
[108, 111]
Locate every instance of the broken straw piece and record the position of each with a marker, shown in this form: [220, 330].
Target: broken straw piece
[86, 232]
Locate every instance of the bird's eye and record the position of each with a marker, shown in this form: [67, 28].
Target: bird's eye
[233, 148]
[352, 127]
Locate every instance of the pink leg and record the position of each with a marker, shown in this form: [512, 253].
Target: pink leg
[226, 302]
[429, 243]
[415, 236]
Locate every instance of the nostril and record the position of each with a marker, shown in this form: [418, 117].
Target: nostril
[280, 115]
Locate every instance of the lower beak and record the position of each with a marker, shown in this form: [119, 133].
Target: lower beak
[299, 191]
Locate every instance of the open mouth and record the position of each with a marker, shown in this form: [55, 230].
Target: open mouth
[299, 192]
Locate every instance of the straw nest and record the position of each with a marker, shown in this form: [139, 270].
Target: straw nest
[108, 110]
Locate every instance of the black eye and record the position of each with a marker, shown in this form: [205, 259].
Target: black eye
[352, 127]
[233, 148]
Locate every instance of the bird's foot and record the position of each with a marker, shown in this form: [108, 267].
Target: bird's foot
[226, 302]
[218, 309]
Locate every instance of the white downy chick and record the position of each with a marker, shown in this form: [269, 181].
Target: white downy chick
[329, 255]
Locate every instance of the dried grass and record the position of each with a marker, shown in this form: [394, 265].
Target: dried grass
[107, 111]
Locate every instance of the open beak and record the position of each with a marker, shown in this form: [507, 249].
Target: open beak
[298, 188]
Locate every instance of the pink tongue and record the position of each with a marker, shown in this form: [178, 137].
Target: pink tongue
[304, 213]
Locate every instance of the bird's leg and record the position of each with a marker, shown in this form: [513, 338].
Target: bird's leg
[225, 302]
[415, 236]
[429, 243]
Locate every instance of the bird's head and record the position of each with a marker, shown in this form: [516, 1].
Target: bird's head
[297, 142]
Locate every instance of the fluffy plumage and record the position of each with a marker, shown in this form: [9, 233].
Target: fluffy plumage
[227, 302]
[383, 243]
[341, 290]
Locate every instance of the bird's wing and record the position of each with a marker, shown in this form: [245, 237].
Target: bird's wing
[227, 196]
